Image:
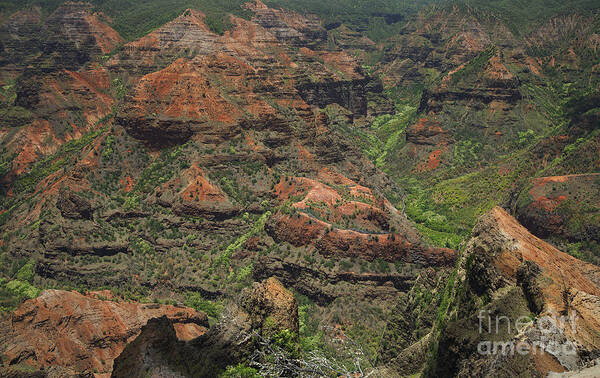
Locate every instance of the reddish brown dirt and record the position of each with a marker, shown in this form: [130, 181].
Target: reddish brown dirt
[85, 333]
[353, 203]
[426, 131]
[106, 37]
[567, 285]
[565, 271]
[199, 188]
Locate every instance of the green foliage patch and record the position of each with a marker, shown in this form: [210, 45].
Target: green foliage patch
[210, 308]
[474, 66]
[20, 288]
[240, 371]
[257, 227]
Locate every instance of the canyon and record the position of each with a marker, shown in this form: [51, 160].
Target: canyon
[175, 202]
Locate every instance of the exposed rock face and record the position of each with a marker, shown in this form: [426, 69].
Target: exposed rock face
[265, 308]
[562, 206]
[324, 287]
[68, 38]
[155, 352]
[57, 95]
[230, 108]
[495, 84]
[271, 307]
[353, 95]
[197, 196]
[426, 131]
[287, 26]
[223, 80]
[76, 22]
[73, 206]
[347, 39]
[522, 275]
[169, 153]
[508, 244]
[82, 332]
[476, 94]
[437, 40]
[407, 337]
[226, 343]
[349, 223]
[187, 32]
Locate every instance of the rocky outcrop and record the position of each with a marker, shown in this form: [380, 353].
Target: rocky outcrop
[348, 39]
[67, 38]
[426, 131]
[216, 82]
[76, 23]
[156, 351]
[193, 194]
[73, 206]
[437, 41]
[271, 307]
[508, 244]
[264, 309]
[507, 273]
[187, 34]
[171, 105]
[56, 93]
[485, 79]
[353, 95]
[84, 332]
[407, 338]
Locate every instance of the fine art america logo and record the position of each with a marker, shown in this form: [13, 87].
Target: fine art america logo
[544, 334]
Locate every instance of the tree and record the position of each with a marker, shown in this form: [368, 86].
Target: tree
[272, 359]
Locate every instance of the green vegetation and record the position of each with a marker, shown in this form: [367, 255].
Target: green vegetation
[522, 16]
[15, 116]
[20, 288]
[28, 182]
[388, 133]
[159, 171]
[257, 227]
[379, 19]
[51, 164]
[240, 371]
[474, 66]
[10, 114]
[26, 272]
[310, 336]
[210, 308]
[286, 340]
[446, 300]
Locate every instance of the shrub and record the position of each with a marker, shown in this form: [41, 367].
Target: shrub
[26, 272]
[23, 290]
[240, 371]
[195, 301]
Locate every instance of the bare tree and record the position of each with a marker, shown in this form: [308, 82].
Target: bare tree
[272, 360]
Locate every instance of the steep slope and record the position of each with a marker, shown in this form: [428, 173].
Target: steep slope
[528, 295]
[481, 109]
[85, 332]
[245, 141]
[63, 333]
[172, 186]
